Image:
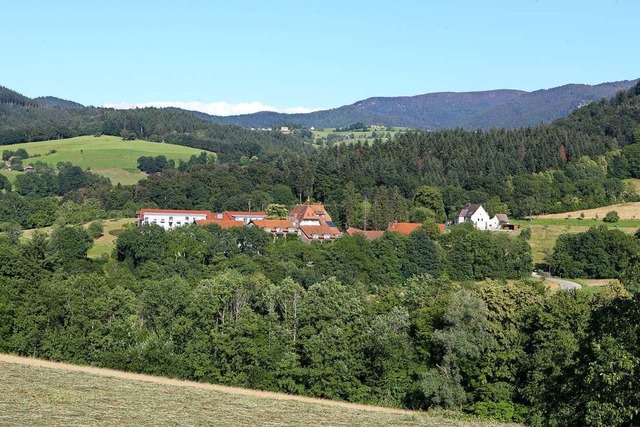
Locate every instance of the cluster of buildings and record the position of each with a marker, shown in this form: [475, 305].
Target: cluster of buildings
[310, 222]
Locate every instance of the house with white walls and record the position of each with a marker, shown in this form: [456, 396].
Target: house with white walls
[170, 219]
[480, 219]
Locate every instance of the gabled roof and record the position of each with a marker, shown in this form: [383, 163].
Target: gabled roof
[502, 217]
[469, 210]
[223, 223]
[141, 212]
[368, 234]
[320, 230]
[404, 227]
[310, 212]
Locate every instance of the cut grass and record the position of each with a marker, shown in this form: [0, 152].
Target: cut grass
[106, 155]
[38, 393]
[626, 211]
[102, 245]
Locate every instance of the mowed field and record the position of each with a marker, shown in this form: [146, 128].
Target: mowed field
[40, 393]
[363, 136]
[106, 155]
[102, 245]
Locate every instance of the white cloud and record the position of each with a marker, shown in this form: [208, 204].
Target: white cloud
[215, 108]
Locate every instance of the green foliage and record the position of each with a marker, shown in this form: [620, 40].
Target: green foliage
[598, 253]
[276, 211]
[68, 244]
[611, 216]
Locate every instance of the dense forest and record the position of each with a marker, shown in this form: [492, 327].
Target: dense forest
[377, 322]
[428, 320]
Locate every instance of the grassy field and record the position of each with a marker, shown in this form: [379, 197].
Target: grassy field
[101, 246]
[364, 137]
[38, 393]
[104, 245]
[107, 155]
[626, 211]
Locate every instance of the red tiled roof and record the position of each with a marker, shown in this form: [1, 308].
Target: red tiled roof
[320, 230]
[368, 234]
[141, 212]
[223, 223]
[404, 227]
[310, 212]
[409, 227]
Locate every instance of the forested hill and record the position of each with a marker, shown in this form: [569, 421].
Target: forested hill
[27, 120]
[8, 96]
[446, 110]
[52, 101]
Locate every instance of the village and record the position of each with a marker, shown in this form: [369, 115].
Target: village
[310, 222]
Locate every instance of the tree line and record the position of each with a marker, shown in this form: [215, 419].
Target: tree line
[365, 321]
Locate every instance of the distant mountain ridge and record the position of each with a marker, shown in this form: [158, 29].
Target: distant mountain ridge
[444, 110]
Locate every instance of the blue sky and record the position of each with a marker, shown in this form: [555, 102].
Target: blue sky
[241, 56]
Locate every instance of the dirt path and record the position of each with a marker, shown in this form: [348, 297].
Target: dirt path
[181, 383]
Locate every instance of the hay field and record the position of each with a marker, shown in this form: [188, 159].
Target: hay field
[39, 393]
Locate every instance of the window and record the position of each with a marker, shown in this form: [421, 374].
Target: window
[186, 218]
[314, 236]
[162, 221]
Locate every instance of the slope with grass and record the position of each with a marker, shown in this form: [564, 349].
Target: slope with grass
[106, 155]
[36, 392]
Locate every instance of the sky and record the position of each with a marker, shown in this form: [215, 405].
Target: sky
[242, 56]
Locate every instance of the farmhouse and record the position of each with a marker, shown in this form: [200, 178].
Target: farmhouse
[169, 219]
[481, 220]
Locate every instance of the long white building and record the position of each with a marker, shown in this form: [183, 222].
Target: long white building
[169, 219]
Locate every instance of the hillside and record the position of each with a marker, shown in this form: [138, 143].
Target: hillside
[67, 394]
[109, 156]
[445, 110]
[52, 101]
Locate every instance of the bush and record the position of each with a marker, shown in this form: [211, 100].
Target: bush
[611, 216]
[96, 229]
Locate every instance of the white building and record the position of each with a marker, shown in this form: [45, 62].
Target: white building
[480, 218]
[169, 219]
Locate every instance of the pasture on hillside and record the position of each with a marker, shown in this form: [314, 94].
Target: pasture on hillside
[367, 137]
[39, 393]
[109, 156]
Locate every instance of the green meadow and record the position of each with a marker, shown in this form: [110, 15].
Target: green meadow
[109, 156]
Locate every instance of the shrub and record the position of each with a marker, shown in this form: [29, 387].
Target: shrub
[611, 216]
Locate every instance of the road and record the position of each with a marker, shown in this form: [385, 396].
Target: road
[565, 285]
